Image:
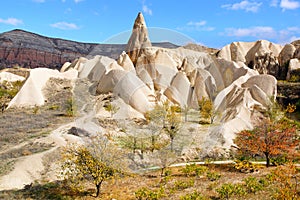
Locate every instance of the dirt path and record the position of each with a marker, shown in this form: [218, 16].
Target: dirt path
[29, 168]
[32, 167]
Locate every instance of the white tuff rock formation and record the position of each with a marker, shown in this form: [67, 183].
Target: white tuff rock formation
[139, 38]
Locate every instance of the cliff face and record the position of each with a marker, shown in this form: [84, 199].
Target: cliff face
[31, 50]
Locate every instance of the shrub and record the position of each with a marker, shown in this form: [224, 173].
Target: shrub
[245, 166]
[148, 194]
[70, 108]
[228, 190]
[253, 185]
[193, 196]
[286, 180]
[280, 160]
[213, 176]
[200, 170]
[193, 169]
[181, 185]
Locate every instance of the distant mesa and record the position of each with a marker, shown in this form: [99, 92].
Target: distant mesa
[29, 50]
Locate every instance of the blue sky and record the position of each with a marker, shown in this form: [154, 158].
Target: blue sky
[212, 23]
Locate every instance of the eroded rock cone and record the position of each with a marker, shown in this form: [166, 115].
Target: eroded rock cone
[139, 38]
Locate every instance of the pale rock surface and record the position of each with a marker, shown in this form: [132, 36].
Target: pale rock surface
[261, 56]
[10, 77]
[31, 93]
[297, 51]
[125, 111]
[76, 64]
[236, 51]
[180, 90]
[225, 72]
[265, 82]
[65, 66]
[237, 103]
[139, 38]
[126, 63]
[286, 54]
[97, 67]
[128, 87]
[203, 86]
[160, 66]
[294, 67]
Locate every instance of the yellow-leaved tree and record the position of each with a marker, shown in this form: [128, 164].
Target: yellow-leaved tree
[99, 161]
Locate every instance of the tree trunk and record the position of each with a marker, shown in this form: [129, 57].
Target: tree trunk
[267, 159]
[162, 172]
[172, 141]
[98, 186]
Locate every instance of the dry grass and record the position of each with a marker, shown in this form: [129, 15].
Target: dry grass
[19, 128]
[124, 188]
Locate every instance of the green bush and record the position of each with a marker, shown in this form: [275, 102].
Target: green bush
[148, 194]
[193, 196]
[70, 108]
[193, 169]
[279, 160]
[228, 190]
[200, 170]
[181, 185]
[213, 176]
[188, 169]
[254, 185]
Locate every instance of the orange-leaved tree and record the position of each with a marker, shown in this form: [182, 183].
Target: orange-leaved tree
[269, 139]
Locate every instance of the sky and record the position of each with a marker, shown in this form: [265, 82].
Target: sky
[214, 23]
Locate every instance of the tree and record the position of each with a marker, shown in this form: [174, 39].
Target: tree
[207, 109]
[113, 109]
[70, 107]
[98, 161]
[158, 114]
[172, 126]
[268, 139]
[165, 158]
[185, 111]
[169, 116]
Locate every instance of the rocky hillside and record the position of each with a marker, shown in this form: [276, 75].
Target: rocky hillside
[30, 50]
[266, 58]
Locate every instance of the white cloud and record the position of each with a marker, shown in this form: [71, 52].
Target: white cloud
[147, 10]
[289, 4]
[243, 5]
[274, 3]
[65, 26]
[294, 38]
[200, 23]
[257, 31]
[11, 21]
[196, 26]
[289, 34]
[282, 36]
[77, 1]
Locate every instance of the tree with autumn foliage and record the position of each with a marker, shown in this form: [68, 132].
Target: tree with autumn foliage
[98, 161]
[167, 116]
[207, 109]
[274, 136]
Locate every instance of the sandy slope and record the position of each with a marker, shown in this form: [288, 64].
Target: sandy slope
[29, 168]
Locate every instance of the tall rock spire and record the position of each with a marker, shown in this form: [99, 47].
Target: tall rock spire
[139, 38]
